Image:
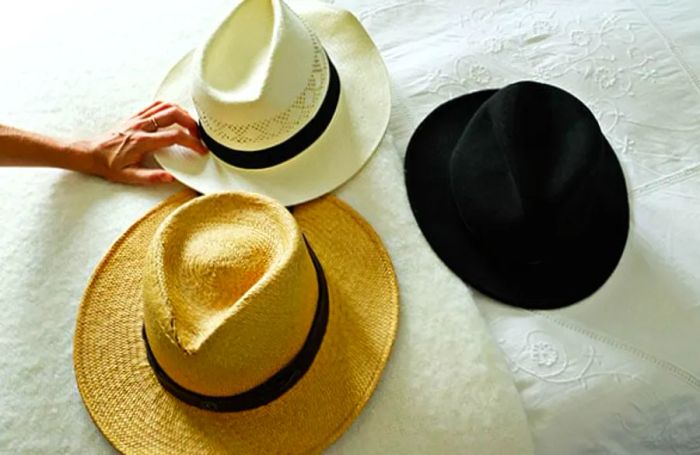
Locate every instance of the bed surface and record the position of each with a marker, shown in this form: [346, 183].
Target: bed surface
[617, 373]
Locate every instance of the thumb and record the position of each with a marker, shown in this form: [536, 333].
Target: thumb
[141, 176]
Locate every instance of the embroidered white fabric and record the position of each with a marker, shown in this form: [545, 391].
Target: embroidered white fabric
[617, 373]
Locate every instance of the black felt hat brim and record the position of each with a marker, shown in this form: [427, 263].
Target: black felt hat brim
[566, 278]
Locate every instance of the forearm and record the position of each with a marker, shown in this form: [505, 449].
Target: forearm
[116, 155]
[22, 148]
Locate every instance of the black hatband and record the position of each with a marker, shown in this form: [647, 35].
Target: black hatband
[284, 151]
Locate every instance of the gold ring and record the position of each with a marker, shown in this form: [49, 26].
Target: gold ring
[155, 123]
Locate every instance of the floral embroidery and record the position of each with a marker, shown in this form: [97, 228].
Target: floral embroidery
[606, 77]
[543, 354]
[579, 38]
[606, 60]
[650, 417]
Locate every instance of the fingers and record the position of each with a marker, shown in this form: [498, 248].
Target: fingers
[157, 126]
[172, 136]
[157, 108]
[175, 114]
[164, 115]
[154, 106]
[141, 176]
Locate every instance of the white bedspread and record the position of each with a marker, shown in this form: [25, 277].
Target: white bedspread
[618, 373]
[76, 67]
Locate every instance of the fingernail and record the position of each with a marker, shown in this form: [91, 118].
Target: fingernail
[166, 178]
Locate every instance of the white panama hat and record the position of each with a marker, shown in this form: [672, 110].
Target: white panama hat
[292, 103]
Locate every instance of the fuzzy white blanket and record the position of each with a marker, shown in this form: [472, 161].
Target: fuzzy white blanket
[74, 68]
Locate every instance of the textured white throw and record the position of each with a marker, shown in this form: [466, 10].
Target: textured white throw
[74, 68]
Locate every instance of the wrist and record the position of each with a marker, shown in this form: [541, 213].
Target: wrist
[78, 156]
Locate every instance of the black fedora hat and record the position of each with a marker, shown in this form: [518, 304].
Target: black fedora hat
[520, 194]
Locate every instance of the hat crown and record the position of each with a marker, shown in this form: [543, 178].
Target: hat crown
[520, 171]
[259, 76]
[229, 293]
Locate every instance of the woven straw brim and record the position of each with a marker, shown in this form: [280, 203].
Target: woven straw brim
[354, 133]
[136, 415]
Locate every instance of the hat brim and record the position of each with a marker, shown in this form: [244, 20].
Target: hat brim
[136, 415]
[357, 128]
[566, 278]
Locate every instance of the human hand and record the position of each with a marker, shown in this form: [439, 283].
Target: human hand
[117, 156]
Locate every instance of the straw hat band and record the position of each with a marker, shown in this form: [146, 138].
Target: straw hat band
[276, 385]
[288, 149]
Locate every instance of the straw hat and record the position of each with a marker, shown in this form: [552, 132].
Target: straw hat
[291, 102]
[225, 324]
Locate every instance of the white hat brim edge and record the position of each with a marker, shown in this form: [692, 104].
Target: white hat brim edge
[357, 129]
